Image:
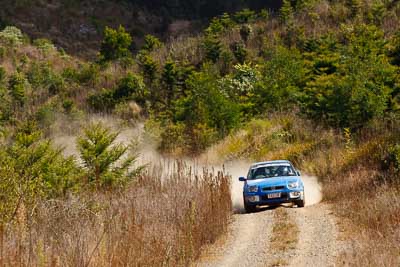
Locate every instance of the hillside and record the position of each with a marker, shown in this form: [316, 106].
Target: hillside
[89, 134]
[77, 26]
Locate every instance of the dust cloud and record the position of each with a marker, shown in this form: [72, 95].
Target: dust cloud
[312, 190]
[148, 154]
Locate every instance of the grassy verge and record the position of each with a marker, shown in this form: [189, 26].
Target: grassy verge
[155, 222]
[285, 235]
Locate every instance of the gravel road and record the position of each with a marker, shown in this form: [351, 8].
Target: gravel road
[247, 243]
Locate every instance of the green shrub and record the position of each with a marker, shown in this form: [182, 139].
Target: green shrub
[393, 158]
[151, 43]
[244, 16]
[220, 24]
[282, 77]
[131, 87]
[245, 32]
[18, 86]
[106, 163]
[31, 169]
[115, 45]
[212, 47]
[44, 45]
[239, 51]
[11, 36]
[148, 65]
[286, 12]
[360, 88]
[102, 101]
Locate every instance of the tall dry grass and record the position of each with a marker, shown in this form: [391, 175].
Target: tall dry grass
[160, 220]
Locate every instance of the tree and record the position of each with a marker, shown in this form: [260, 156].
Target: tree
[245, 32]
[30, 169]
[360, 87]
[212, 47]
[151, 43]
[115, 44]
[106, 164]
[286, 11]
[17, 86]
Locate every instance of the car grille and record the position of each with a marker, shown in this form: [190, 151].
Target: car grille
[271, 188]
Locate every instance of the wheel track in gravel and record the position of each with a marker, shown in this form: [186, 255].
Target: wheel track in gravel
[248, 240]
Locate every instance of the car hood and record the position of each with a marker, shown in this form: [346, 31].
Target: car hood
[273, 181]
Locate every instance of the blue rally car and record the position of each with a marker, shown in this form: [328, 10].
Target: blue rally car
[272, 183]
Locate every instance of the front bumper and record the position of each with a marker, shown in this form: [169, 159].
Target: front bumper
[262, 198]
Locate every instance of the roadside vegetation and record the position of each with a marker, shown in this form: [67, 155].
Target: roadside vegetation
[316, 83]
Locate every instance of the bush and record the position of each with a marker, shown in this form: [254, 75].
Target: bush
[31, 169]
[18, 86]
[44, 45]
[239, 51]
[11, 36]
[148, 65]
[106, 164]
[131, 87]
[244, 16]
[212, 48]
[115, 45]
[360, 88]
[102, 101]
[151, 43]
[245, 32]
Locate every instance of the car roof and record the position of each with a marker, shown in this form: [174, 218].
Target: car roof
[270, 162]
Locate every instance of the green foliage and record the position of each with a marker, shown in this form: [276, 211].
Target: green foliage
[286, 12]
[130, 87]
[212, 47]
[239, 51]
[206, 105]
[32, 169]
[115, 44]
[393, 158]
[102, 101]
[148, 65]
[283, 75]
[244, 16]
[106, 163]
[220, 24]
[42, 76]
[245, 32]
[394, 49]
[11, 36]
[18, 86]
[151, 43]
[359, 89]
[44, 45]
[355, 7]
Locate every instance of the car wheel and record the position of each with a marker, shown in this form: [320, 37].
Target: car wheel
[249, 208]
[301, 203]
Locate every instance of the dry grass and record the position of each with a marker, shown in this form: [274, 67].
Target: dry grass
[285, 233]
[161, 220]
[364, 193]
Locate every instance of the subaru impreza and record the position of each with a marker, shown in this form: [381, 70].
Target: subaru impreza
[272, 183]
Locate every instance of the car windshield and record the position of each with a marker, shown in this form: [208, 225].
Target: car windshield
[270, 171]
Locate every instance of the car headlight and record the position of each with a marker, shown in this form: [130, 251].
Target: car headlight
[293, 185]
[253, 188]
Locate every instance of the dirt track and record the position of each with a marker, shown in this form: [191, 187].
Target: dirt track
[248, 239]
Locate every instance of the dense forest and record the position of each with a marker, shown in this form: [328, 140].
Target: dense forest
[313, 81]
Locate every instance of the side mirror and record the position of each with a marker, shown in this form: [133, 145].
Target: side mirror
[242, 179]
